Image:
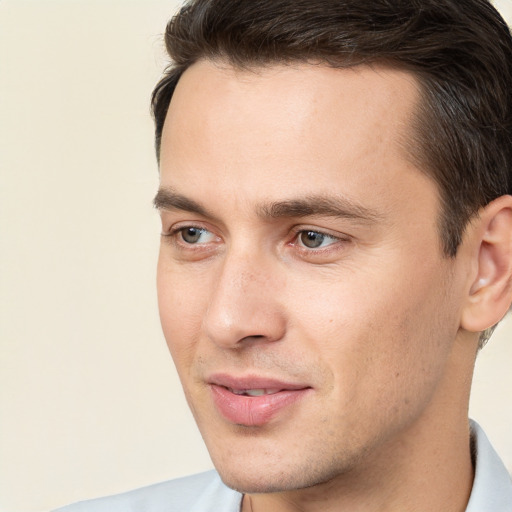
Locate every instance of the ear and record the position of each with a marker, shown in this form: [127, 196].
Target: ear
[490, 293]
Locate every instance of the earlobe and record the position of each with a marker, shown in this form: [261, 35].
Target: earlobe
[490, 293]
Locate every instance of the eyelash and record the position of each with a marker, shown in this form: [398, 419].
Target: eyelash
[338, 244]
[172, 237]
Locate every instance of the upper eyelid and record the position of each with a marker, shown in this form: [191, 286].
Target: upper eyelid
[177, 229]
[296, 241]
[181, 225]
[174, 233]
[339, 242]
[325, 232]
[319, 231]
[295, 231]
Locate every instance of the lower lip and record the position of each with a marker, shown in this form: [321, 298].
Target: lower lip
[253, 411]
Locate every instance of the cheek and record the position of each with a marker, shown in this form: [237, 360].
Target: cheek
[379, 331]
[181, 313]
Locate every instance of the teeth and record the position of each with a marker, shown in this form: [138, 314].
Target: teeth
[258, 392]
[254, 392]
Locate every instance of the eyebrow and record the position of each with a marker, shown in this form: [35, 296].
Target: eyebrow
[168, 199]
[320, 206]
[309, 206]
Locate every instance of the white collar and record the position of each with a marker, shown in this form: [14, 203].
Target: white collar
[492, 486]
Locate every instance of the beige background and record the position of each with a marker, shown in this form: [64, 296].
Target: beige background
[89, 402]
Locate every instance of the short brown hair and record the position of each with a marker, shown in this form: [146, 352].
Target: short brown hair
[459, 50]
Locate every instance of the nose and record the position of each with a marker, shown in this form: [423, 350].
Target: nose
[245, 303]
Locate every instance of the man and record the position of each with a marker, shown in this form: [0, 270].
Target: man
[336, 246]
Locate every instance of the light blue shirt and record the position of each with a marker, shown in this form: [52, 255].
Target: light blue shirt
[492, 490]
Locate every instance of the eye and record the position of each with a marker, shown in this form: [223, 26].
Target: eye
[315, 239]
[193, 235]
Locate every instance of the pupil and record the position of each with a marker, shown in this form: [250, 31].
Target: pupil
[191, 235]
[312, 239]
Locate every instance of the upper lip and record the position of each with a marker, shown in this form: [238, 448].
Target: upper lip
[253, 382]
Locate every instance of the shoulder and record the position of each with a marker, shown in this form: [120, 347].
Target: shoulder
[204, 492]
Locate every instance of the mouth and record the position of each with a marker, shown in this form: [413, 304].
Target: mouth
[254, 401]
[254, 392]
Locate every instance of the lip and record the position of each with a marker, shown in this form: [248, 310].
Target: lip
[253, 411]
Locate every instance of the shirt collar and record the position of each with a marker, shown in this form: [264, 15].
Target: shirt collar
[492, 486]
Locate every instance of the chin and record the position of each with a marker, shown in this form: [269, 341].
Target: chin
[247, 484]
[251, 480]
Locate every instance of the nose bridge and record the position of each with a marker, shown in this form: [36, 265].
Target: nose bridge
[244, 301]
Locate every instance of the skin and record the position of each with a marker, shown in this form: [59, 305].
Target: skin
[371, 320]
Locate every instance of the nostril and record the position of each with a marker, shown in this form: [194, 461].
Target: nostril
[252, 338]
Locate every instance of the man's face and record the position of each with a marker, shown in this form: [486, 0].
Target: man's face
[302, 289]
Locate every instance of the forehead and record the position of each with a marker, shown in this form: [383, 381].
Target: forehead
[280, 128]
[309, 88]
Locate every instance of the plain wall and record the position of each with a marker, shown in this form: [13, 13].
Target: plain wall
[89, 400]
